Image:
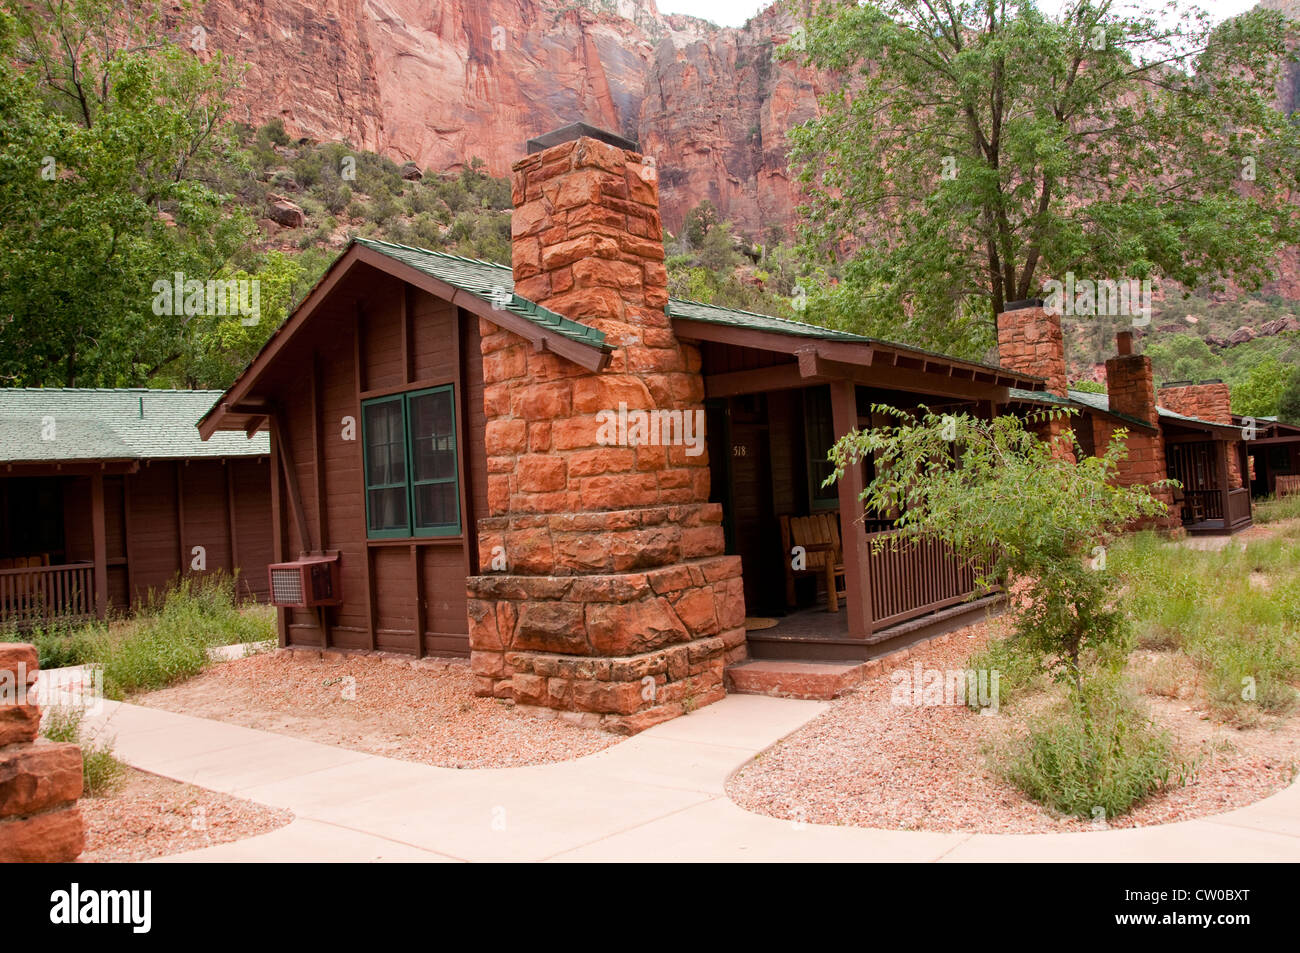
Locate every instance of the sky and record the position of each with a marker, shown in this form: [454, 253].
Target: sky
[736, 12]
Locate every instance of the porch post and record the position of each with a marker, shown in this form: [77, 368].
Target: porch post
[1221, 466]
[857, 566]
[99, 542]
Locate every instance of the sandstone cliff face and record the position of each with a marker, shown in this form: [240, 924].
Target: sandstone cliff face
[440, 81]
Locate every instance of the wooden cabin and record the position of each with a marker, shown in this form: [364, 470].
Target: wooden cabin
[1273, 451]
[107, 495]
[444, 479]
[1181, 431]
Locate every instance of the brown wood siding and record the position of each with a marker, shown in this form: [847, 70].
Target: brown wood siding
[250, 489]
[203, 485]
[377, 337]
[155, 548]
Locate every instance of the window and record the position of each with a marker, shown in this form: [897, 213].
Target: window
[412, 486]
[819, 437]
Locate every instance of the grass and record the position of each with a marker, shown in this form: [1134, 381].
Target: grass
[165, 642]
[1094, 755]
[1273, 510]
[102, 773]
[1234, 612]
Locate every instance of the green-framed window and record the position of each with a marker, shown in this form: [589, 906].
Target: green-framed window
[411, 467]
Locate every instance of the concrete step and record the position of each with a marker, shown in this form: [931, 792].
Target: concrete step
[790, 679]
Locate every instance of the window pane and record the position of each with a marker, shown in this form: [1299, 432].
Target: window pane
[435, 505]
[387, 508]
[385, 444]
[433, 437]
[820, 435]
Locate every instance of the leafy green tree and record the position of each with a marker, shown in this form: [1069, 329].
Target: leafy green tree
[964, 482]
[1260, 394]
[1288, 406]
[1182, 357]
[977, 148]
[700, 221]
[109, 129]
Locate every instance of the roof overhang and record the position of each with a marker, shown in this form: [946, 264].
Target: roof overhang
[869, 363]
[237, 409]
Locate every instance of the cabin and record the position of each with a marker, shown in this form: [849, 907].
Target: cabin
[1273, 449]
[1183, 431]
[600, 494]
[109, 495]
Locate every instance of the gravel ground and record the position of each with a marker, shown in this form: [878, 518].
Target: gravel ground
[385, 707]
[870, 763]
[151, 816]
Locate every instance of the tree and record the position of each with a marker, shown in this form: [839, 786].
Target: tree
[700, 221]
[976, 148]
[1260, 394]
[1182, 357]
[964, 482]
[111, 132]
[1288, 406]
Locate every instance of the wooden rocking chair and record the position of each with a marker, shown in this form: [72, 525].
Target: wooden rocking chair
[819, 535]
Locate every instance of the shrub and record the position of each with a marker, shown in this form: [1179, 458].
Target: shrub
[101, 772]
[1096, 751]
[1249, 674]
[60, 644]
[1019, 672]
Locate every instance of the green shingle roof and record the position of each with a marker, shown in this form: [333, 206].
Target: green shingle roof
[113, 424]
[492, 282]
[1087, 400]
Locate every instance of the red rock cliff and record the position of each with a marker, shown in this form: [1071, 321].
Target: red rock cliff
[440, 82]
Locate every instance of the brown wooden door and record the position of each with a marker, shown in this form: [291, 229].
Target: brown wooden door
[757, 534]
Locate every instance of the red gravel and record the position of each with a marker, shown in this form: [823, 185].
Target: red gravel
[870, 763]
[151, 817]
[426, 714]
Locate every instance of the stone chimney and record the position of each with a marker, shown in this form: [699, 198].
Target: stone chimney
[1209, 400]
[1130, 387]
[1129, 381]
[603, 591]
[1030, 341]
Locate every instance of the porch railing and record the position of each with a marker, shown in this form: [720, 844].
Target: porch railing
[41, 593]
[910, 578]
[1202, 505]
[1238, 506]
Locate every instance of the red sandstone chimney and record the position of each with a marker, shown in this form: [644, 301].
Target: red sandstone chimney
[1030, 341]
[1129, 382]
[587, 237]
[1208, 400]
[603, 589]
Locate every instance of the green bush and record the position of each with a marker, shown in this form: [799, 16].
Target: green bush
[61, 644]
[1096, 751]
[102, 773]
[1246, 675]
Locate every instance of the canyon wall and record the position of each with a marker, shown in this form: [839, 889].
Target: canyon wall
[438, 82]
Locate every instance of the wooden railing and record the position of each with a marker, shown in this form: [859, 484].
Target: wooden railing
[1238, 506]
[41, 593]
[911, 578]
[1287, 485]
[1210, 508]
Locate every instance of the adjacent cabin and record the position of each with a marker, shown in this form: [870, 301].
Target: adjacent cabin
[1180, 431]
[1273, 448]
[588, 487]
[107, 495]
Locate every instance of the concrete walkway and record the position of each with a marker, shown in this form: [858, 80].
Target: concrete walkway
[657, 796]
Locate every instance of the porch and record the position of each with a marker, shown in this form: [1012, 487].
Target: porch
[1213, 498]
[772, 417]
